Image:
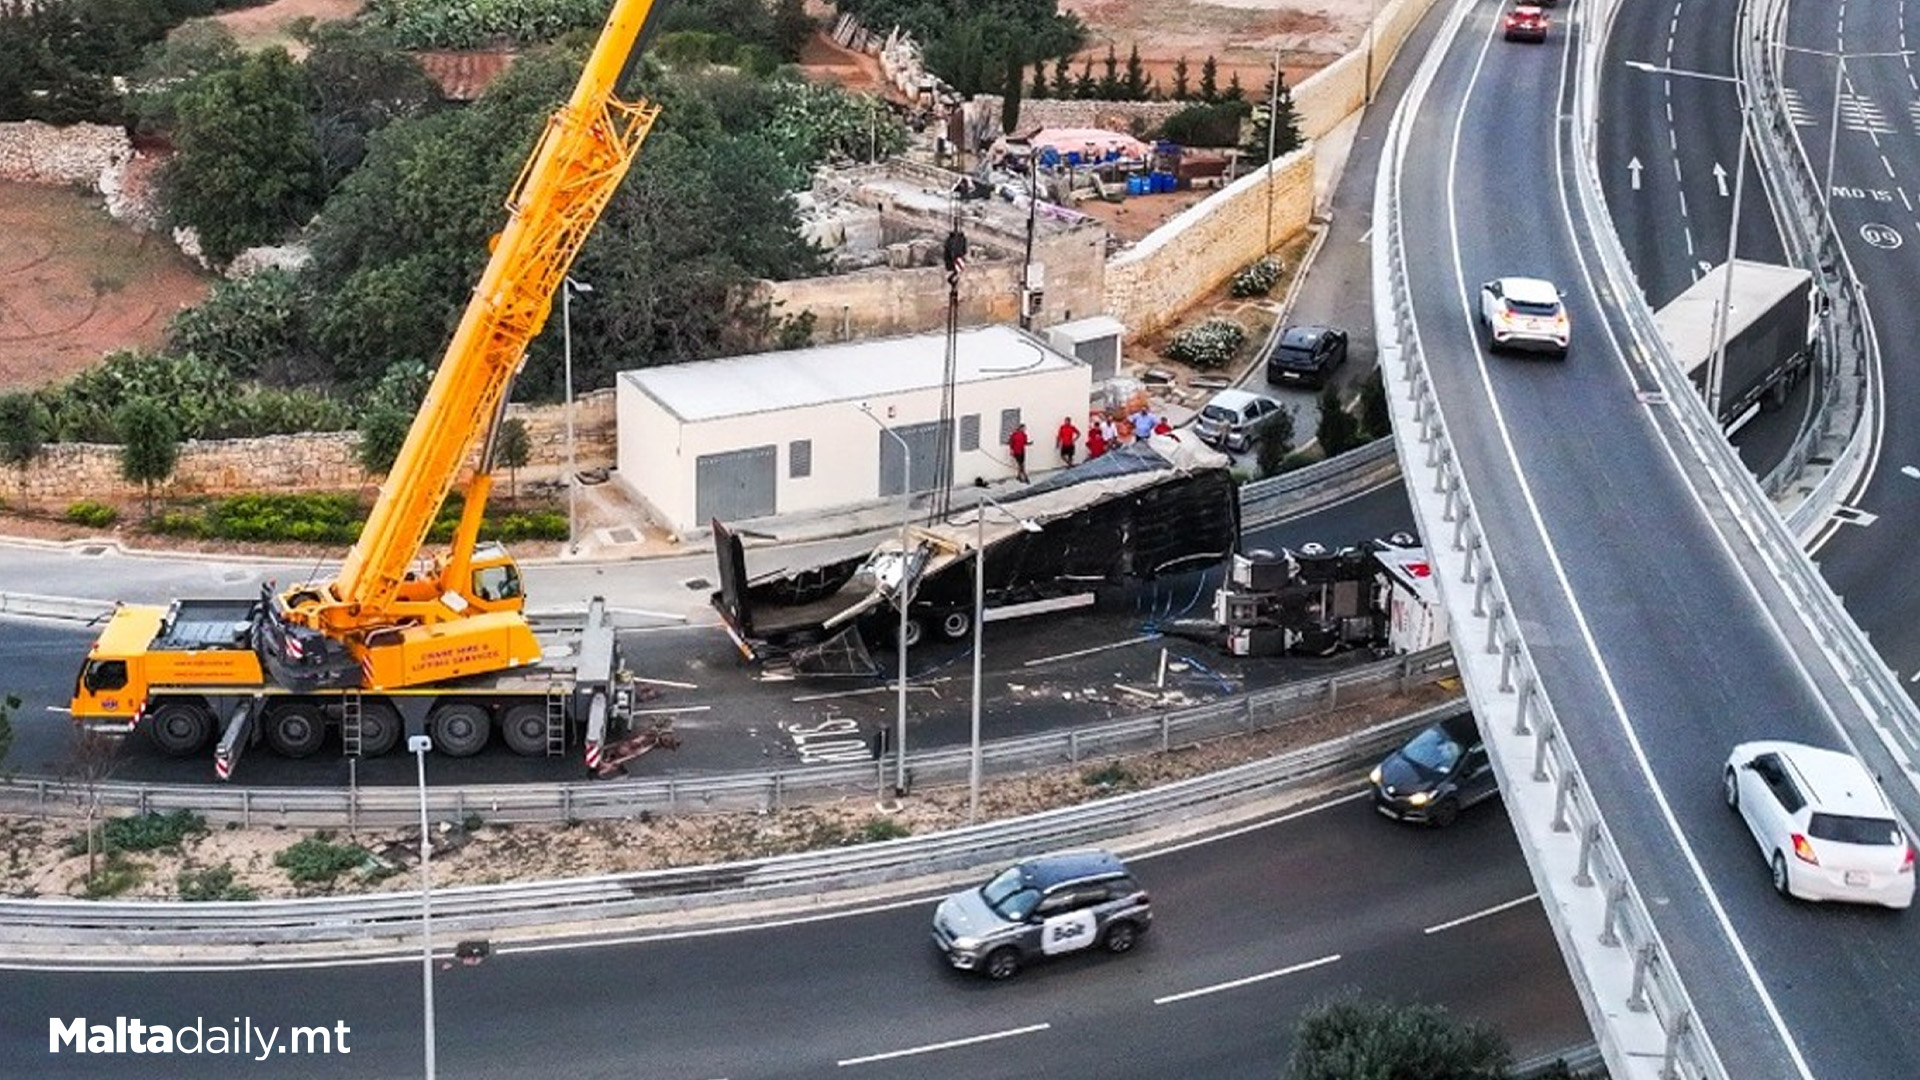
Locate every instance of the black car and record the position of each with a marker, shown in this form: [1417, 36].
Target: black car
[1438, 773]
[1306, 355]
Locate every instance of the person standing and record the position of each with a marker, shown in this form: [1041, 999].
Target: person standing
[1017, 446]
[1109, 434]
[1143, 424]
[1067, 439]
[1096, 439]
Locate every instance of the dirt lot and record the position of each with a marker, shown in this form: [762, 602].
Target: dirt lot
[257, 27]
[38, 859]
[75, 284]
[1242, 35]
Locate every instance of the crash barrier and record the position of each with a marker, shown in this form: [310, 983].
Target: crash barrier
[734, 792]
[484, 909]
[1614, 951]
[65, 608]
[1263, 502]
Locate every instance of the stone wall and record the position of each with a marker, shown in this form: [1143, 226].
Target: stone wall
[321, 461]
[1152, 283]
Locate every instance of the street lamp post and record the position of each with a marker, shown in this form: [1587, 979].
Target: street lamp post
[419, 745]
[979, 636]
[569, 286]
[901, 598]
[1716, 362]
[1833, 121]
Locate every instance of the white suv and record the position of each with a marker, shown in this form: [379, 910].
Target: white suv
[1824, 826]
[1524, 312]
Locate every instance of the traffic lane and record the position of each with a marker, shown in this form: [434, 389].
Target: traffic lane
[793, 1000]
[1637, 153]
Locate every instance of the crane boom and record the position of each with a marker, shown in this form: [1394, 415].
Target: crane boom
[580, 159]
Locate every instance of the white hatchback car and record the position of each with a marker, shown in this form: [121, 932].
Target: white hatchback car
[1523, 312]
[1825, 827]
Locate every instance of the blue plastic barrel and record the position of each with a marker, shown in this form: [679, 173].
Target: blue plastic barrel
[1136, 185]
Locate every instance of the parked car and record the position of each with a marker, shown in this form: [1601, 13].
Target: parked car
[1523, 312]
[1042, 907]
[1234, 419]
[1307, 355]
[1823, 825]
[1438, 773]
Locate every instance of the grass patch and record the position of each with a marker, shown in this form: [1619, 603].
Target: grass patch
[144, 832]
[115, 875]
[211, 883]
[317, 860]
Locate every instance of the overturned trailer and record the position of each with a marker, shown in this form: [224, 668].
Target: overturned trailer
[1134, 514]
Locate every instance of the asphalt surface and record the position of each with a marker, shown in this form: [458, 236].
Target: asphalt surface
[1652, 640]
[812, 998]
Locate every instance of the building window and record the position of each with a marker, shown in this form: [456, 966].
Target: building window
[1009, 419]
[799, 459]
[970, 432]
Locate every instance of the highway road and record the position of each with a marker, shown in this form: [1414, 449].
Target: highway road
[1349, 900]
[1668, 149]
[1876, 209]
[1652, 635]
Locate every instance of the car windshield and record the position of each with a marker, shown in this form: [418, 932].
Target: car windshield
[1432, 749]
[1523, 307]
[1220, 413]
[1295, 352]
[1009, 895]
[1847, 829]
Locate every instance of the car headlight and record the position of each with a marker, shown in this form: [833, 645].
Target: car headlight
[1374, 776]
[966, 944]
[1420, 798]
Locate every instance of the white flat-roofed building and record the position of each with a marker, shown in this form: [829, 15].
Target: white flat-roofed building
[783, 432]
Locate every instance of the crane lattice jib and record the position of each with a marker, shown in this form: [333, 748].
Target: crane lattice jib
[581, 157]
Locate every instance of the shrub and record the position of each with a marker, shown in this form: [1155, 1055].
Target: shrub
[1206, 125]
[881, 828]
[92, 514]
[318, 860]
[1114, 775]
[143, 832]
[1211, 344]
[211, 883]
[115, 875]
[178, 523]
[1257, 279]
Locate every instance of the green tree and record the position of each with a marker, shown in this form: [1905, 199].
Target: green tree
[1354, 1039]
[149, 445]
[1276, 442]
[1135, 86]
[1286, 129]
[1110, 76]
[1376, 417]
[1038, 88]
[792, 28]
[1209, 81]
[1010, 95]
[383, 430]
[361, 83]
[1062, 79]
[246, 170]
[512, 451]
[1234, 91]
[1338, 431]
[254, 327]
[1200, 124]
[23, 427]
[1085, 87]
[1181, 91]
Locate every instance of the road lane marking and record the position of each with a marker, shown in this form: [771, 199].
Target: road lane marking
[1481, 914]
[1248, 981]
[948, 1045]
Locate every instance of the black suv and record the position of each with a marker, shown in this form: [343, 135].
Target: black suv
[1306, 354]
[1438, 773]
[1042, 907]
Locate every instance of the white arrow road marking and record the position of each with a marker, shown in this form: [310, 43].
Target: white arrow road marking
[1720, 177]
[1634, 167]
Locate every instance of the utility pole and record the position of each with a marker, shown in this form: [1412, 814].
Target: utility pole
[1033, 205]
[1273, 109]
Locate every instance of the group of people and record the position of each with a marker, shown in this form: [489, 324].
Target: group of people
[1102, 435]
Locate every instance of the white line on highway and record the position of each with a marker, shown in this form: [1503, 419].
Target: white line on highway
[1481, 914]
[1248, 981]
[948, 1045]
[1904, 199]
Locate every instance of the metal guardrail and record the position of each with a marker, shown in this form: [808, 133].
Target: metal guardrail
[484, 909]
[1263, 502]
[731, 792]
[1591, 895]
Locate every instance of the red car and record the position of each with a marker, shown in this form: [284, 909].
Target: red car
[1526, 23]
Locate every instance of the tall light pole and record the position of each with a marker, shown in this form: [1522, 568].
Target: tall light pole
[1716, 363]
[419, 745]
[1273, 124]
[1833, 121]
[979, 636]
[569, 286]
[901, 598]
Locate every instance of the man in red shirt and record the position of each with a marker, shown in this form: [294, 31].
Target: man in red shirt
[1067, 439]
[1017, 446]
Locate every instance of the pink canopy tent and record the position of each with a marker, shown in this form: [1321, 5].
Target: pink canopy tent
[1090, 143]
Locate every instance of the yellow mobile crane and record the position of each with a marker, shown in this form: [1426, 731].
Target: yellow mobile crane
[438, 643]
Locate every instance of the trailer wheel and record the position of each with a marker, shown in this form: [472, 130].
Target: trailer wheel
[180, 728]
[461, 729]
[296, 731]
[379, 728]
[524, 727]
[914, 631]
[956, 624]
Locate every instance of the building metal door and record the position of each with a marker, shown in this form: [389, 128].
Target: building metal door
[735, 485]
[924, 441]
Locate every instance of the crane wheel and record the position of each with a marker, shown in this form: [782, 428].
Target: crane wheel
[461, 729]
[379, 728]
[180, 728]
[524, 727]
[296, 731]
